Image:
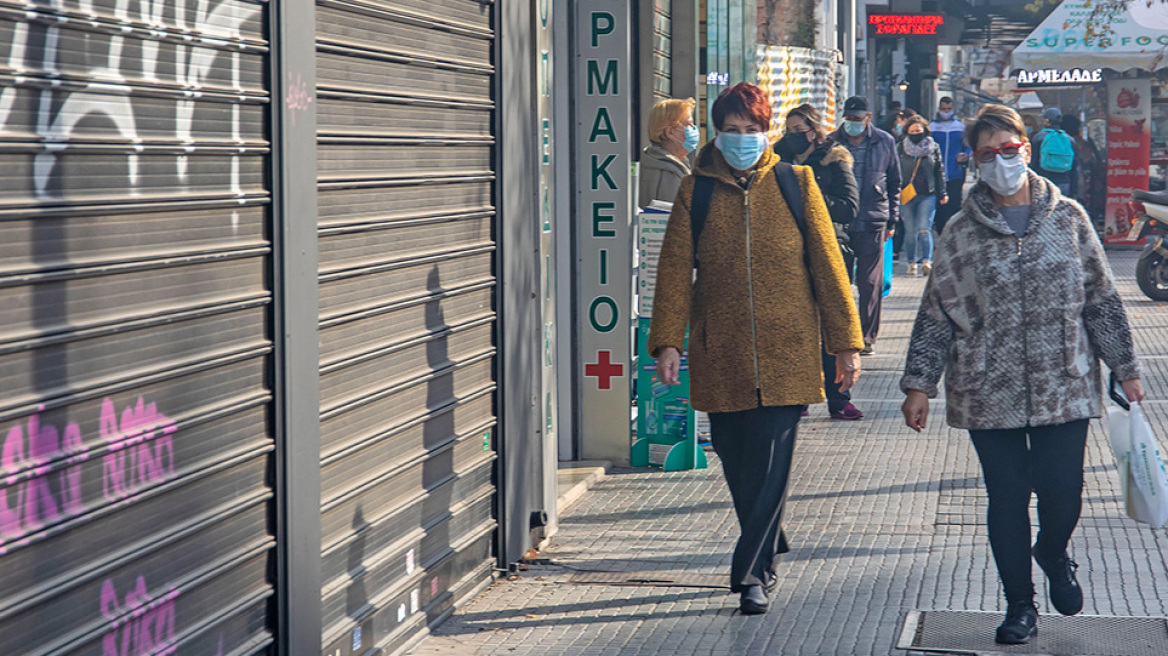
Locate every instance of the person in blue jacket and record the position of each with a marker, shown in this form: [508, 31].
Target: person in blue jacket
[949, 133]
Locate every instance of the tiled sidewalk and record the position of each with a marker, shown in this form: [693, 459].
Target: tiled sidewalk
[881, 521]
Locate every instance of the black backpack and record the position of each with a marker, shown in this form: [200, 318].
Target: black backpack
[788, 185]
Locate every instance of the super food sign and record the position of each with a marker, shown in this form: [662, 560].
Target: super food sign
[603, 210]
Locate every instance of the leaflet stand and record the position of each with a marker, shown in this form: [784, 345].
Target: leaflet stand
[666, 428]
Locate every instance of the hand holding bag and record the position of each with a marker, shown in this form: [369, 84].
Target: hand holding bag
[910, 191]
[1141, 469]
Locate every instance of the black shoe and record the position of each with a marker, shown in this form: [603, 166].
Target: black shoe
[754, 600]
[868, 350]
[1020, 626]
[772, 582]
[1065, 594]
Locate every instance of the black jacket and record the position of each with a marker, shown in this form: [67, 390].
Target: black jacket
[832, 166]
[930, 171]
[880, 188]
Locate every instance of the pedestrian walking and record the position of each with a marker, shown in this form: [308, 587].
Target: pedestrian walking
[1054, 153]
[805, 142]
[770, 283]
[1019, 309]
[949, 133]
[665, 161]
[922, 191]
[897, 133]
[877, 171]
[1086, 160]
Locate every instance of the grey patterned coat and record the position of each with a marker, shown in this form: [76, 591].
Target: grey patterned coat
[1018, 324]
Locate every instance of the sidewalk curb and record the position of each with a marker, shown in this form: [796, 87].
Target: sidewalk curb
[573, 479]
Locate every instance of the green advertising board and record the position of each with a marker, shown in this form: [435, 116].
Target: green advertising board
[666, 427]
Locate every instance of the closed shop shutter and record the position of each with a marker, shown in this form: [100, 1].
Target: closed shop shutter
[134, 313]
[662, 49]
[407, 328]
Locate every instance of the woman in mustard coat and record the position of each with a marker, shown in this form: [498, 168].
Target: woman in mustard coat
[765, 294]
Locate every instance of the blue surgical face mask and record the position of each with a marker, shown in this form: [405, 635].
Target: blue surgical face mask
[742, 151]
[692, 136]
[945, 116]
[899, 129]
[854, 128]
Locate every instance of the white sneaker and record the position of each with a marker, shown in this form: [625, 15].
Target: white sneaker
[912, 270]
[926, 268]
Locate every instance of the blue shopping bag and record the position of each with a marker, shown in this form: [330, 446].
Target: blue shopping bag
[887, 267]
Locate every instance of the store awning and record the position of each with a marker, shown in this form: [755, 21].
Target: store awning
[1086, 34]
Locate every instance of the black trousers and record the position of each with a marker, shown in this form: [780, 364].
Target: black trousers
[836, 398]
[953, 189]
[869, 249]
[756, 447]
[1047, 460]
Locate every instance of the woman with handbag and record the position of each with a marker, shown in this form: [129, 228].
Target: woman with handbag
[924, 188]
[805, 142]
[1019, 310]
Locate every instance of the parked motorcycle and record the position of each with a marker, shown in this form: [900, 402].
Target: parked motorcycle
[1149, 211]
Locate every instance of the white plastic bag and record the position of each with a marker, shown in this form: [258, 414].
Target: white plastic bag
[1141, 469]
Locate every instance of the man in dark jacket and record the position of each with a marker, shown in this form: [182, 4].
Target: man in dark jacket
[877, 171]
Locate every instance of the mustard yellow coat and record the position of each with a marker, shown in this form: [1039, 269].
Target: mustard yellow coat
[755, 321]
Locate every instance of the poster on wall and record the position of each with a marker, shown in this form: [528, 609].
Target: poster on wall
[1129, 143]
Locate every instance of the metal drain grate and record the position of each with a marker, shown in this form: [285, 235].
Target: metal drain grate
[972, 634]
[660, 578]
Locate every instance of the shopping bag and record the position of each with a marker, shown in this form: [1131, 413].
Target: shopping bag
[1142, 476]
[887, 268]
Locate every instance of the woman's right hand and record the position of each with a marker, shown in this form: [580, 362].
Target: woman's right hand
[916, 410]
[668, 365]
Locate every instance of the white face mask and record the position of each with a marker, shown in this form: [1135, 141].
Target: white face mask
[1005, 176]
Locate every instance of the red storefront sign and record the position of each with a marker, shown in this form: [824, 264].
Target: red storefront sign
[905, 25]
[1129, 144]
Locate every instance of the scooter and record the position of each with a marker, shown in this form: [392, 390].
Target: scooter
[1149, 211]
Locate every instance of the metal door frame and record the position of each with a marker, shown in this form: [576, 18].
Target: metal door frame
[296, 363]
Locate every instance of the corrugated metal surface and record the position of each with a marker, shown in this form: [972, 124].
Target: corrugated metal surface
[793, 76]
[407, 332]
[134, 301]
[662, 49]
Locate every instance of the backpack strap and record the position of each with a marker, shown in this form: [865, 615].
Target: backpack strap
[792, 192]
[793, 195]
[699, 208]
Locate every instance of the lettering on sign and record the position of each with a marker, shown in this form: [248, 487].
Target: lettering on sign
[1052, 76]
[905, 25]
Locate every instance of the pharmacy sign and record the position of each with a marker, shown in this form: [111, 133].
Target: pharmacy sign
[603, 212]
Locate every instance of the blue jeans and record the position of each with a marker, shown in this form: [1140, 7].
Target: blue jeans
[918, 228]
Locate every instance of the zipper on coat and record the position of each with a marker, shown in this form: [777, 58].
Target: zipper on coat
[1025, 333]
[750, 292]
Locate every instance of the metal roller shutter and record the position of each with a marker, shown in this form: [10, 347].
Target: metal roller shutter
[407, 327]
[134, 296]
[662, 49]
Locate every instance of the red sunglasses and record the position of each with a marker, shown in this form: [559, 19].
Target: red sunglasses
[1008, 151]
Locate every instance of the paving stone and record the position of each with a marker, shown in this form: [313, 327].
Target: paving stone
[881, 520]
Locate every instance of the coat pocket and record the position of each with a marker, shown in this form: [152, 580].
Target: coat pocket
[967, 364]
[1077, 352]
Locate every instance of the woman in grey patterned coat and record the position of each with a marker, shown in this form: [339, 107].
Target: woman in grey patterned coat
[1019, 310]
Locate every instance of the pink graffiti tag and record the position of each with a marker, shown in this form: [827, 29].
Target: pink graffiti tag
[29, 500]
[298, 98]
[142, 625]
[141, 448]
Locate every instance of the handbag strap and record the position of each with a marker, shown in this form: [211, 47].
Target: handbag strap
[915, 169]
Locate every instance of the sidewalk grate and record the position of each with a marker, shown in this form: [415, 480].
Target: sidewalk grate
[651, 578]
[972, 634]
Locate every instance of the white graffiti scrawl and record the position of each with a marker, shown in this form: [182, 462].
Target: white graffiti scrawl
[139, 68]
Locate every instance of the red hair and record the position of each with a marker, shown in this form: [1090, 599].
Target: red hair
[744, 99]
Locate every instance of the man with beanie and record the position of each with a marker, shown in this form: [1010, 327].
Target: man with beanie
[949, 133]
[877, 170]
[1061, 170]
